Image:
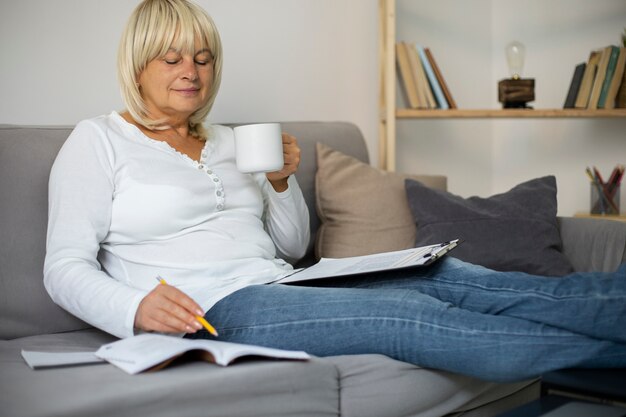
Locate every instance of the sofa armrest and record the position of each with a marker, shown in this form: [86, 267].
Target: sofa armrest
[593, 244]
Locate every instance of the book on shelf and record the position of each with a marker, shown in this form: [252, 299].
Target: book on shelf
[617, 79]
[440, 79]
[421, 80]
[582, 99]
[620, 102]
[600, 76]
[432, 79]
[574, 87]
[152, 351]
[608, 78]
[406, 76]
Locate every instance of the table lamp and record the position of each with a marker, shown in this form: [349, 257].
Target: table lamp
[516, 92]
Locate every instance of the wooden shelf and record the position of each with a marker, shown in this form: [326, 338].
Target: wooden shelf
[508, 113]
[621, 217]
[389, 113]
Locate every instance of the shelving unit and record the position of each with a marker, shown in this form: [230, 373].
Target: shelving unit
[620, 218]
[507, 113]
[387, 102]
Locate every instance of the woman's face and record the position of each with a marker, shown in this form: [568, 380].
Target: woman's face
[176, 85]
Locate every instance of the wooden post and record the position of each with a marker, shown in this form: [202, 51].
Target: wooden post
[387, 64]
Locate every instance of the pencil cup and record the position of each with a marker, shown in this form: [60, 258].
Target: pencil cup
[605, 202]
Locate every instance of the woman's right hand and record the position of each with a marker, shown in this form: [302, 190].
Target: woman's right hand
[167, 309]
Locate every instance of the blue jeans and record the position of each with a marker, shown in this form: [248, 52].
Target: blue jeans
[454, 316]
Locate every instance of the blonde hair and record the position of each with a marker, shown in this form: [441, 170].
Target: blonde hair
[154, 27]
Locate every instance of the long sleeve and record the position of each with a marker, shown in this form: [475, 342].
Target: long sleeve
[287, 219]
[80, 201]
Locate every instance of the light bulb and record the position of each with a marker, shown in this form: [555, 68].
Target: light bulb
[515, 52]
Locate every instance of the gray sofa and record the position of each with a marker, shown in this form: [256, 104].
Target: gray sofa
[360, 385]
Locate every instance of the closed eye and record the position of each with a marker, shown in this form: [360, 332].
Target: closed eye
[204, 57]
[172, 58]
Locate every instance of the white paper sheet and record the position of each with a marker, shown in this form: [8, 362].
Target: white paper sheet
[39, 360]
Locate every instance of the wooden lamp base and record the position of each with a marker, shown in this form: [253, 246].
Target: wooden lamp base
[516, 93]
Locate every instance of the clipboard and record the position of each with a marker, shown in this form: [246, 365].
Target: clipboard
[386, 261]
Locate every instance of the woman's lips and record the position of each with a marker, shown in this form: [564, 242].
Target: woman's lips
[187, 91]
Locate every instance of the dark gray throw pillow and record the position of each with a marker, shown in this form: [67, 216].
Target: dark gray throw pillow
[512, 231]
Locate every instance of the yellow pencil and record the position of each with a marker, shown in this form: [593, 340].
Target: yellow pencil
[201, 319]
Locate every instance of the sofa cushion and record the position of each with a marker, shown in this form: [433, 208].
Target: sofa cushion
[512, 231]
[593, 244]
[193, 388]
[375, 385]
[363, 210]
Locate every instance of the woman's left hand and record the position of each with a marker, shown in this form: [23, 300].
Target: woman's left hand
[291, 155]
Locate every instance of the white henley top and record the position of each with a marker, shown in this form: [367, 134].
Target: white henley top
[124, 208]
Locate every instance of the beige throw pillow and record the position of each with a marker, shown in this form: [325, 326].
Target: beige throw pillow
[362, 209]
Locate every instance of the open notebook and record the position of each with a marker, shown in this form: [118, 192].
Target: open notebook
[356, 265]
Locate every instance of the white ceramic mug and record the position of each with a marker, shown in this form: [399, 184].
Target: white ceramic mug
[259, 147]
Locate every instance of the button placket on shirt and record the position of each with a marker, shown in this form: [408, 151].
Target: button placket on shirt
[217, 181]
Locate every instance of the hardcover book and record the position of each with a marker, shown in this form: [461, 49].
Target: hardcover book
[587, 82]
[423, 89]
[442, 82]
[574, 87]
[432, 79]
[600, 76]
[406, 76]
[608, 78]
[617, 80]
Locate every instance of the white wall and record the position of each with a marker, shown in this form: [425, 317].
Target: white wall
[318, 60]
[482, 157]
[284, 60]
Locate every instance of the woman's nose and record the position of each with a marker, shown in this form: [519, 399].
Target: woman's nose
[188, 70]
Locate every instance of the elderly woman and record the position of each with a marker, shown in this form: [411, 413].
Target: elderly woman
[152, 192]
